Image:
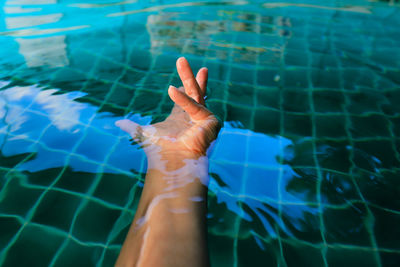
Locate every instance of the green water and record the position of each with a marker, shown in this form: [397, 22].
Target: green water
[305, 172]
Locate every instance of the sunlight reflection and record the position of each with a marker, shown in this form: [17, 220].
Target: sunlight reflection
[357, 9]
[20, 10]
[100, 5]
[30, 21]
[162, 7]
[46, 51]
[31, 2]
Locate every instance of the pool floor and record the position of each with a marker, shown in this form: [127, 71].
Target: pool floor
[306, 168]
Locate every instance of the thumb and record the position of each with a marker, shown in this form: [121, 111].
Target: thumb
[130, 127]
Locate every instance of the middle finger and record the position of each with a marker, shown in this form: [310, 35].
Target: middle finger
[192, 88]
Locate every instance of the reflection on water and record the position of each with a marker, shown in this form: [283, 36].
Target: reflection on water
[40, 121]
[35, 32]
[358, 9]
[20, 10]
[24, 18]
[48, 51]
[31, 2]
[207, 37]
[159, 8]
[31, 21]
[101, 5]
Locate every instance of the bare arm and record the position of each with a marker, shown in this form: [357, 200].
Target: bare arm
[169, 228]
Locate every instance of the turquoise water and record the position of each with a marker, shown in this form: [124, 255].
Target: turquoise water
[306, 168]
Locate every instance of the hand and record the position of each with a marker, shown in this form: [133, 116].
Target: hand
[175, 188]
[190, 128]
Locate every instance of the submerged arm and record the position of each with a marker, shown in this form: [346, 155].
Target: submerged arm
[169, 228]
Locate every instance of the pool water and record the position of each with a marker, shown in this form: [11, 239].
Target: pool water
[305, 172]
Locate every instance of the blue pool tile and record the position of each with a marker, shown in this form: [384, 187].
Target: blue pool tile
[89, 228]
[74, 254]
[338, 256]
[46, 213]
[42, 244]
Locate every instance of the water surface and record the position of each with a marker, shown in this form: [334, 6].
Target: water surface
[306, 168]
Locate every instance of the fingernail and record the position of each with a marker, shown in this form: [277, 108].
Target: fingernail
[178, 61]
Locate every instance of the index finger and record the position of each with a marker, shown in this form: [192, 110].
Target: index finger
[196, 111]
[190, 84]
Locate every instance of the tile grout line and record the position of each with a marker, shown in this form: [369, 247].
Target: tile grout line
[35, 142]
[30, 213]
[348, 125]
[225, 100]
[99, 173]
[314, 149]
[281, 154]
[353, 166]
[134, 188]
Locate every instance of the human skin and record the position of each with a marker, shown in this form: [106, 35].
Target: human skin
[169, 227]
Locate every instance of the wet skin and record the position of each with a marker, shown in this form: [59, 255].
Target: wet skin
[169, 227]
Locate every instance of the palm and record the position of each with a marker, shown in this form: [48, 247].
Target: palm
[189, 128]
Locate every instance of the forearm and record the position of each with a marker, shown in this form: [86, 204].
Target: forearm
[169, 228]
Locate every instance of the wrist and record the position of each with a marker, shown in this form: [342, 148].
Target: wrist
[180, 191]
[182, 177]
[170, 161]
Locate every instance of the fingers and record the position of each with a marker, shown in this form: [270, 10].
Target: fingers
[192, 88]
[201, 78]
[195, 110]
